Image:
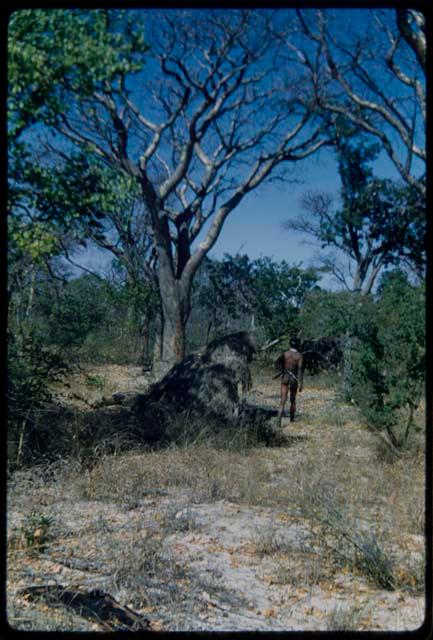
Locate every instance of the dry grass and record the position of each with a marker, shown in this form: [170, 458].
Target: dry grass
[204, 473]
[344, 618]
[363, 515]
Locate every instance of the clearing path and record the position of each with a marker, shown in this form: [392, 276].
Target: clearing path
[196, 538]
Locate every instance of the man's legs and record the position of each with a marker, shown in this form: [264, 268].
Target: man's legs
[284, 393]
[293, 390]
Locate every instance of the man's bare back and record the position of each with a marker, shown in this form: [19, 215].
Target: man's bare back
[292, 363]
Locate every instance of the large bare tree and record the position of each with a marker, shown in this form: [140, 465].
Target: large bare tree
[217, 110]
[369, 67]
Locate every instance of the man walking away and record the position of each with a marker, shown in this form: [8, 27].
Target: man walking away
[290, 366]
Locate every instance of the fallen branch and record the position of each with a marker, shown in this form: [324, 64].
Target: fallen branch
[95, 605]
[268, 345]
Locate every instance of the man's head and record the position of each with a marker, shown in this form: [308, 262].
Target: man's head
[294, 343]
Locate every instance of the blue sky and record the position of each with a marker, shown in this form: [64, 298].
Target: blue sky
[255, 226]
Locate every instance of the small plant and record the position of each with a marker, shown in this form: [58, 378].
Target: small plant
[416, 514]
[179, 520]
[37, 531]
[373, 562]
[141, 565]
[344, 618]
[411, 578]
[96, 381]
[271, 543]
[284, 574]
[386, 452]
[341, 536]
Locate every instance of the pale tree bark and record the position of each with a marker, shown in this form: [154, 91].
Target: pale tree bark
[220, 111]
[411, 25]
[376, 81]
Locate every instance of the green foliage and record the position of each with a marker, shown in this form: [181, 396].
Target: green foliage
[278, 292]
[273, 291]
[130, 290]
[329, 313]
[37, 531]
[383, 338]
[31, 369]
[78, 194]
[58, 59]
[98, 382]
[70, 315]
[56, 52]
[378, 223]
[93, 319]
[222, 290]
[30, 241]
[389, 357]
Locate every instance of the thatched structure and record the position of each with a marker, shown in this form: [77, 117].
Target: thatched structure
[203, 396]
[202, 388]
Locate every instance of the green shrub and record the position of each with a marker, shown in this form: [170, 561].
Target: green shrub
[31, 369]
[37, 531]
[388, 358]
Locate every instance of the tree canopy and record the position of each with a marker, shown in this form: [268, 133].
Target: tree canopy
[376, 224]
[368, 66]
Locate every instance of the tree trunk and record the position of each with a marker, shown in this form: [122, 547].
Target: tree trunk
[31, 295]
[176, 307]
[409, 424]
[157, 345]
[173, 342]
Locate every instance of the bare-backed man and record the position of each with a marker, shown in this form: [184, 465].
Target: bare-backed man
[290, 366]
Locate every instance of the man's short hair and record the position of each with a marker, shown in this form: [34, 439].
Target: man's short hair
[294, 342]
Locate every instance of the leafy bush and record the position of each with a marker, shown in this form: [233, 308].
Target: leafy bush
[388, 364]
[383, 342]
[74, 312]
[91, 320]
[37, 531]
[31, 368]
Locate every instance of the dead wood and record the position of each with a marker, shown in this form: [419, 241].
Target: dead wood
[202, 389]
[94, 604]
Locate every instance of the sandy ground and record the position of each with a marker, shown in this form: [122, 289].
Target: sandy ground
[213, 575]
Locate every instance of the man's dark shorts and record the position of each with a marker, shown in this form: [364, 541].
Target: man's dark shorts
[289, 379]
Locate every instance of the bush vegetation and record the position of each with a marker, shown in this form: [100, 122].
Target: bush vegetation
[383, 367]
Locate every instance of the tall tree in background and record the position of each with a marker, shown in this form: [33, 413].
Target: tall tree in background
[217, 113]
[369, 67]
[378, 224]
[267, 294]
[95, 205]
[49, 54]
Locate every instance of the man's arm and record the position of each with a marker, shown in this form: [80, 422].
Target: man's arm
[279, 366]
[301, 372]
